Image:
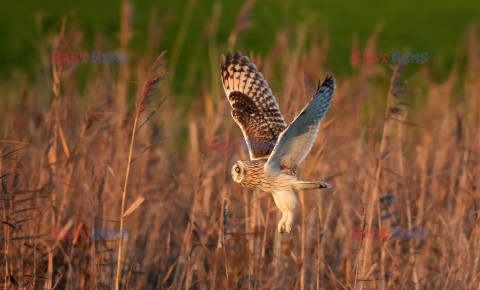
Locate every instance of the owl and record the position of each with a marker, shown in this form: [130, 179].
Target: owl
[276, 150]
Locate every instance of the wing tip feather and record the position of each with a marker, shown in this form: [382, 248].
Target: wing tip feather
[235, 58]
[222, 61]
[329, 83]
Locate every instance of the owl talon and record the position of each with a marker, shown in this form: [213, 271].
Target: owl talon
[289, 230]
[288, 222]
[284, 229]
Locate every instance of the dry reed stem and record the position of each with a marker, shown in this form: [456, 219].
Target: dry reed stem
[384, 149]
[126, 35]
[243, 22]
[182, 33]
[145, 99]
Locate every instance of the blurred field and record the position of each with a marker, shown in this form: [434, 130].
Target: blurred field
[401, 149]
[427, 26]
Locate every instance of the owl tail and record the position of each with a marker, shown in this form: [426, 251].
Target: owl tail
[306, 185]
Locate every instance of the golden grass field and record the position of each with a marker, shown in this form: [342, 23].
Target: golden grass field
[78, 151]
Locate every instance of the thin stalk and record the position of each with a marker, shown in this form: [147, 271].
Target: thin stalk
[124, 194]
[384, 146]
[145, 98]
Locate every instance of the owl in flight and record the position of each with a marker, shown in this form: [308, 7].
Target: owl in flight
[276, 150]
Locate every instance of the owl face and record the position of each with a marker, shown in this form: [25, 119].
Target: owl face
[238, 171]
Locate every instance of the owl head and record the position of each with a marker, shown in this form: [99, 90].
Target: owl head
[238, 171]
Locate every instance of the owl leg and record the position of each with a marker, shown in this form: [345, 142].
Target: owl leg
[288, 222]
[285, 224]
[285, 201]
[281, 224]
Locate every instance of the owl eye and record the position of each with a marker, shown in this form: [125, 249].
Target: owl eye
[237, 169]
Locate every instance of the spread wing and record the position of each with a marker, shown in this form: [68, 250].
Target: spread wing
[254, 107]
[297, 140]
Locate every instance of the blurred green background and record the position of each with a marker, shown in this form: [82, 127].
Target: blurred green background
[435, 27]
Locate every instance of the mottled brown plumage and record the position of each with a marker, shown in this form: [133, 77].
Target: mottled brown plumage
[252, 174]
[254, 107]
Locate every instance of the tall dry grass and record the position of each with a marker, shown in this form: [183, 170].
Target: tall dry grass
[65, 153]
